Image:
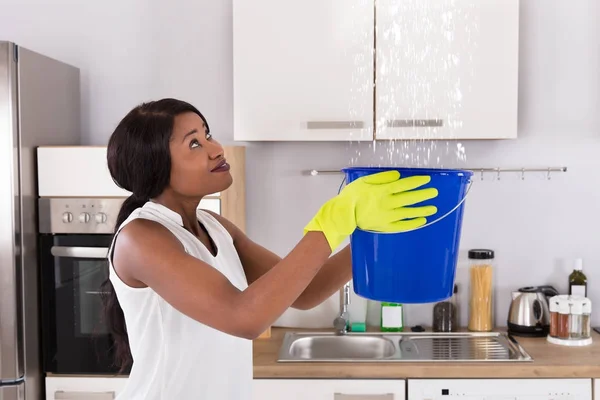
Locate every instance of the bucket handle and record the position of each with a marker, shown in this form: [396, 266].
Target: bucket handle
[429, 223]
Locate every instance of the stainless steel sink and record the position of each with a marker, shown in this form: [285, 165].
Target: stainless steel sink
[400, 347]
[346, 346]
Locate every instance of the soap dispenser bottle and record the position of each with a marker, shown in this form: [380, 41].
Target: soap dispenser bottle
[392, 317]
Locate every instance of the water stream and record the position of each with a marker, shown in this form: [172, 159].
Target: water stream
[423, 53]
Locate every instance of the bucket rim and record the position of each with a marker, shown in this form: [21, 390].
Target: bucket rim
[427, 171]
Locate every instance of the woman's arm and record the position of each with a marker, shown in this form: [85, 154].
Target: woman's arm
[258, 260]
[378, 202]
[148, 253]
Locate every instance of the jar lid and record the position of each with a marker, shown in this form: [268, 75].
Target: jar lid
[554, 305]
[577, 307]
[481, 254]
[564, 307]
[587, 306]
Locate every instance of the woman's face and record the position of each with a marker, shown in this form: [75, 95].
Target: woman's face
[198, 165]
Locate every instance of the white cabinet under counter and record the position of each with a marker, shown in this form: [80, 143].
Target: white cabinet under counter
[422, 389]
[329, 389]
[83, 388]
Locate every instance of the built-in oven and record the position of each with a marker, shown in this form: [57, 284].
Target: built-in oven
[74, 237]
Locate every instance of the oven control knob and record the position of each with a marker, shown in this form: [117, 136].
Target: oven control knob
[84, 218]
[67, 217]
[100, 218]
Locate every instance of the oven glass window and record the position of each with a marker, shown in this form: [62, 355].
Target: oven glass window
[88, 276]
[75, 336]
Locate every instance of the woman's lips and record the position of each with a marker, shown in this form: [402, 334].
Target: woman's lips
[223, 167]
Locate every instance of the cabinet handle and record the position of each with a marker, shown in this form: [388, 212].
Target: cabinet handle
[61, 395]
[341, 396]
[79, 252]
[334, 124]
[408, 123]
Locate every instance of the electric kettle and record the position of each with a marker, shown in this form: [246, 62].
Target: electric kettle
[529, 313]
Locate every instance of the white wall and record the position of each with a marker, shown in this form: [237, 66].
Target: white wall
[137, 50]
[132, 51]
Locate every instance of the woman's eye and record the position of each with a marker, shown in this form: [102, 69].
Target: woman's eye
[194, 143]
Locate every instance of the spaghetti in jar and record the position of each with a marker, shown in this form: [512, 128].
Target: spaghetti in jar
[481, 281]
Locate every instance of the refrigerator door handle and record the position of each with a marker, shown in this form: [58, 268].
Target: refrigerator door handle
[11, 233]
[79, 252]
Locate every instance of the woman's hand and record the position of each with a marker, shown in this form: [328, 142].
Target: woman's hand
[377, 202]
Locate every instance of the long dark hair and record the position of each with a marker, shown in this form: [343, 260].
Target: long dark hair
[139, 161]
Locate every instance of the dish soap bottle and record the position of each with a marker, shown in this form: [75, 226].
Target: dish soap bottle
[392, 317]
[578, 280]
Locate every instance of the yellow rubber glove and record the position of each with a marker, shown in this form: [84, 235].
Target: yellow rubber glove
[376, 202]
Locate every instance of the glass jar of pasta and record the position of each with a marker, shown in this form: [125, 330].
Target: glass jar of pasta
[481, 284]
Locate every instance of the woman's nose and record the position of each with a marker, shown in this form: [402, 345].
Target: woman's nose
[215, 150]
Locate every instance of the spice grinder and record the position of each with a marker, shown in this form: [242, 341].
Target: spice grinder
[529, 312]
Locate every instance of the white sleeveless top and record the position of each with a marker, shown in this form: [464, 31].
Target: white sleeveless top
[176, 357]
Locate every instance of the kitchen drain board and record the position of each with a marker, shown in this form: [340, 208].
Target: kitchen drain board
[460, 348]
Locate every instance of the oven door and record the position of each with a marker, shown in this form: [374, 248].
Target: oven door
[75, 338]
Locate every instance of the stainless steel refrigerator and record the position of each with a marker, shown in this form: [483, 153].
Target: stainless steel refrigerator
[39, 105]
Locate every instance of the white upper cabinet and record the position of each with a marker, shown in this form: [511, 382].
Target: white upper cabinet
[447, 69]
[318, 70]
[303, 70]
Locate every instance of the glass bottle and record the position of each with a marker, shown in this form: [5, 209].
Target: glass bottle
[578, 280]
[564, 309]
[481, 280]
[553, 317]
[576, 318]
[586, 327]
[445, 314]
[392, 317]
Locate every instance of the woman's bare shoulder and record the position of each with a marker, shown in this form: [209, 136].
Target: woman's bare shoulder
[143, 239]
[231, 228]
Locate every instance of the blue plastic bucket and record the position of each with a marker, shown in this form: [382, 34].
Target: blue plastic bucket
[416, 266]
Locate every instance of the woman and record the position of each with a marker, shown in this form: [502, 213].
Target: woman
[187, 290]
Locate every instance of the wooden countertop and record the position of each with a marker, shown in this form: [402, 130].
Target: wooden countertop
[549, 361]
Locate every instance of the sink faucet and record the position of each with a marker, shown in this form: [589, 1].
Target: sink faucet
[340, 323]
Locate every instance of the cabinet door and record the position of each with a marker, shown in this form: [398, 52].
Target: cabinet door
[329, 389]
[75, 171]
[303, 70]
[80, 388]
[447, 69]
